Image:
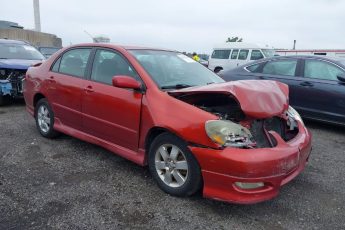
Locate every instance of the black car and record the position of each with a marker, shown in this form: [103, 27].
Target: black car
[317, 84]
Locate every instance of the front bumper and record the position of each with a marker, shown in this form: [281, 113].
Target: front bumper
[273, 166]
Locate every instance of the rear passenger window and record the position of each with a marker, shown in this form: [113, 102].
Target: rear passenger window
[74, 62]
[243, 55]
[221, 54]
[234, 54]
[256, 55]
[108, 64]
[283, 67]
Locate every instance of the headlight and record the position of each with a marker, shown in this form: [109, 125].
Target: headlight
[227, 133]
[292, 113]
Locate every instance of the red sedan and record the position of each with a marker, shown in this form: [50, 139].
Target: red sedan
[237, 141]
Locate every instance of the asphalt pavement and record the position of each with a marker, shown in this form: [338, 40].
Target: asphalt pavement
[66, 183]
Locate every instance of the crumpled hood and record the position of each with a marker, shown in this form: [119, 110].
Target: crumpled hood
[257, 98]
[17, 63]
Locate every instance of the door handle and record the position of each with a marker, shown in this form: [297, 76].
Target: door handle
[261, 77]
[307, 83]
[89, 89]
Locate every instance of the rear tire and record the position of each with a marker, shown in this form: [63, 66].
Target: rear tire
[173, 166]
[218, 69]
[44, 117]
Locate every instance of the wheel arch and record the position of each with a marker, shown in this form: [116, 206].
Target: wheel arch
[155, 132]
[37, 97]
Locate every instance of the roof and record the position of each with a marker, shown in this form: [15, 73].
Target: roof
[336, 60]
[109, 45]
[312, 50]
[9, 41]
[241, 45]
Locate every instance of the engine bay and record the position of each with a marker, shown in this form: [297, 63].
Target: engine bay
[227, 108]
[221, 105]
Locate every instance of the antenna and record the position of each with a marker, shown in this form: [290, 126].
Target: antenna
[89, 35]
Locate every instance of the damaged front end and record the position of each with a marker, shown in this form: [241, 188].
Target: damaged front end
[244, 120]
[11, 82]
[251, 133]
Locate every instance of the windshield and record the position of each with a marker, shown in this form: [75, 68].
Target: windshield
[171, 70]
[268, 53]
[19, 51]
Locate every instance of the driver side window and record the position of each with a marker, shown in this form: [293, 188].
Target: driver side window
[108, 64]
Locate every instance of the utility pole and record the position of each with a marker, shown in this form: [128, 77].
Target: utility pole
[37, 15]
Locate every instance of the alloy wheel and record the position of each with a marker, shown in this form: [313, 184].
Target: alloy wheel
[171, 165]
[43, 118]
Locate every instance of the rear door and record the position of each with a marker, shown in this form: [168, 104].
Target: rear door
[324, 95]
[110, 113]
[66, 82]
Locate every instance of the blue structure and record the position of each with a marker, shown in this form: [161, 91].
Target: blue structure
[15, 58]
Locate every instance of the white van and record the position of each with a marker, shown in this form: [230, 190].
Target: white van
[232, 54]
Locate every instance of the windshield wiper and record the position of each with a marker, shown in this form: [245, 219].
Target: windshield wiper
[177, 86]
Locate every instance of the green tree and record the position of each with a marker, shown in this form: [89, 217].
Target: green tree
[234, 39]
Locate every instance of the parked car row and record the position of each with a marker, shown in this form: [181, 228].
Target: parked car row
[237, 142]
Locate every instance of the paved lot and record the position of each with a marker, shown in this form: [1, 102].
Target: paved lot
[69, 184]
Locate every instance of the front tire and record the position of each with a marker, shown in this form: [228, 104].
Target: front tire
[44, 117]
[173, 166]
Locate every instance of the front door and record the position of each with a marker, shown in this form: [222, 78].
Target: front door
[110, 113]
[325, 95]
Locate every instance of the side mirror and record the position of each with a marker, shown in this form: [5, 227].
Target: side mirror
[341, 78]
[126, 82]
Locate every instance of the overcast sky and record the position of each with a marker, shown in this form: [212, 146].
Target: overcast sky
[188, 25]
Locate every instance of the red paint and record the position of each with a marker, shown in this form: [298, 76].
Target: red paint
[120, 119]
[125, 82]
[247, 93]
